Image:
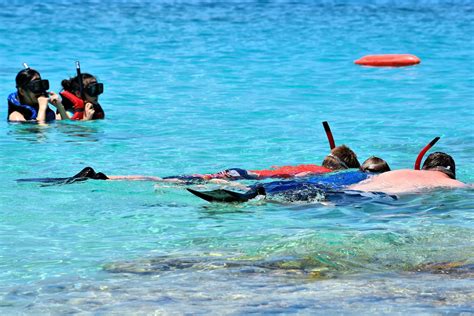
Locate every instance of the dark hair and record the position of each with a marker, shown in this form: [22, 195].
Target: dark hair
[375, 164]
[24, 77]
[341, 157]
[441, 162]
[72, 84]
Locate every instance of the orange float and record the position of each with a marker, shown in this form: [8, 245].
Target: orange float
[388, 60]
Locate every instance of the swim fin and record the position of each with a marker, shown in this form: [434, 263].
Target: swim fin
[84, 174]
[222, 195]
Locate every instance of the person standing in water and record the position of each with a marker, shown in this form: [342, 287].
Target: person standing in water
[30, 101]
[81, 96]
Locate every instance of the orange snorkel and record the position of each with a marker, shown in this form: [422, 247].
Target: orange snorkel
[423, 152]
[327, 129]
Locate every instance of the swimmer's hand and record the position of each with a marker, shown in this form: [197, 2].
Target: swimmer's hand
[43, 102]
[56, 102]
[88, 111]
[54, 99]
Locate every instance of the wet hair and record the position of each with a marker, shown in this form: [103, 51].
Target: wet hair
[340, 158]
[441, 162]
[72, 84]
[375, 164]
[24, 77]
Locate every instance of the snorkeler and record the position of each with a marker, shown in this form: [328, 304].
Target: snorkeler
[439, 171]
[30, 101]
[81, 96]
[306, 188]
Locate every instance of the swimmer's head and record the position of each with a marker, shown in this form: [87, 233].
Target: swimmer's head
[25, 76]
[375, 164]
[439, 161]
[30, 86]
[340, 158]
[92, 89]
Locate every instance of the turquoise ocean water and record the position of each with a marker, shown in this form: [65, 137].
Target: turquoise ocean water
[201, 86]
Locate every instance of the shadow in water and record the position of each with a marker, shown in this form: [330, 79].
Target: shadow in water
[40, 132]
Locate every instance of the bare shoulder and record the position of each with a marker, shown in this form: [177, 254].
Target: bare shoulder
[16, 116]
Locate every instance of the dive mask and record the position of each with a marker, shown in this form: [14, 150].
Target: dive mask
[94, 89]
[38, 86]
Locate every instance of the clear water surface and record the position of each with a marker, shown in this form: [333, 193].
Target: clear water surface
[198, 86]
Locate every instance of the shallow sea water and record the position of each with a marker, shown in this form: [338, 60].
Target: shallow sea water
[200, 86]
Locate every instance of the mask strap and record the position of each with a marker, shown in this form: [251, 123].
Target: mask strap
[338, 160]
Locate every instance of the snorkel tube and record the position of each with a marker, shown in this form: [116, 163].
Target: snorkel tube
[25, 65]
[79, 79]
[327, 129]
[423, 152]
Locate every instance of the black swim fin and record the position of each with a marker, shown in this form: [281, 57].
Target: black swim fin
[222, 195]
[43, 180]
[84, 174]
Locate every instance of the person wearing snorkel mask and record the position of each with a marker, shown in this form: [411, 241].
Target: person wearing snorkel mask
[82, 106]
[30, 101]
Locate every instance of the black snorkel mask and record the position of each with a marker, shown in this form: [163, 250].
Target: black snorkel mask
[93, 89]
[38, 86]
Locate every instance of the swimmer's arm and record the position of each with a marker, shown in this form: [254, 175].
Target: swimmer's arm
[56, 102]
[229, 183]
[42, 108]
[303, 174]
[134, 178]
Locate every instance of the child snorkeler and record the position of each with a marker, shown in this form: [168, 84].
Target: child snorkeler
[81, 96]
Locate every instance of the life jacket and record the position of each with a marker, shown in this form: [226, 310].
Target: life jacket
[289, 171]
[29, 112]
[76, 105]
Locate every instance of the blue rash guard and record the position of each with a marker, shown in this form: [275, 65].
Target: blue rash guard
[325, 182]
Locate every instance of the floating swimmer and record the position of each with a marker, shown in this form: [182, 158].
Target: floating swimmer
[439, 171]
[30, 101]
[305, 189]
[81, 96]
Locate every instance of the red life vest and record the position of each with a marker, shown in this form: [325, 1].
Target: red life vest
[77, 105]
[290, 171]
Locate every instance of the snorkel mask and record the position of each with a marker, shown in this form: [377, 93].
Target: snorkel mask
[94, 89]
[37, 86]
[444, 169]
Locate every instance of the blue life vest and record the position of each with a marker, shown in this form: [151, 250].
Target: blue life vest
[29, 112]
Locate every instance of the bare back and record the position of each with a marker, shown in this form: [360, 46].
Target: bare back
[406, 181]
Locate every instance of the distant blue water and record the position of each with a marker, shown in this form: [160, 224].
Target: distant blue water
[200, 86]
